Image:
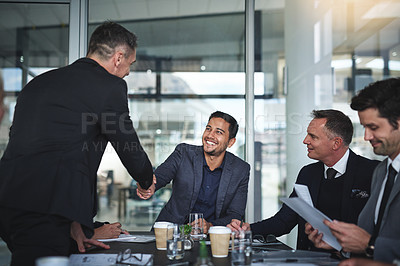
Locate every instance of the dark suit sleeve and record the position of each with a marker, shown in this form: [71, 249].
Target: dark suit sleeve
[285, 219]
[117, 126]
[168, 169]
[280, 224]
[237, 206]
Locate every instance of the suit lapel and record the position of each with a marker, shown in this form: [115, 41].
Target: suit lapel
[315, 183]
[349, 176]
[223, 184]
[198, 176]
[366, 220]
[393, 194]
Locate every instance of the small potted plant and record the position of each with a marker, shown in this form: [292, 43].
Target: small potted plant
[186, 229]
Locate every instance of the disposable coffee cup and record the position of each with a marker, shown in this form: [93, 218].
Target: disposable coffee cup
[160, 230]
[219, 236]
[52, 261]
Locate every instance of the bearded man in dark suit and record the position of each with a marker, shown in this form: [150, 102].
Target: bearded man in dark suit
[62, 123]
[341, 195]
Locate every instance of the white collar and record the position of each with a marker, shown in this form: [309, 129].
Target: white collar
[341, 165]
[395, 163]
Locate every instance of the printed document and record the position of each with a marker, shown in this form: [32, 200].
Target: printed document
[314, 217]
[108, 259]
[131, 238]
[303, 193]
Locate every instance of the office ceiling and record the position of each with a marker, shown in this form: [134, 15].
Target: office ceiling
[189, 28]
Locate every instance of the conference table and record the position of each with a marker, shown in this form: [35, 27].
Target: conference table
[191, 256]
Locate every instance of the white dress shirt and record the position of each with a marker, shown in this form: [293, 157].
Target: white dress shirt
[340, 166]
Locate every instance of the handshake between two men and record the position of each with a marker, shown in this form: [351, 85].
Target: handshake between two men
[148, 193]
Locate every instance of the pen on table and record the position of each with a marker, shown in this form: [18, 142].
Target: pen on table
[241, 223]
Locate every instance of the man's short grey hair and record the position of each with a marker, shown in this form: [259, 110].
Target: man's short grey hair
[337, 124]
[109, 36]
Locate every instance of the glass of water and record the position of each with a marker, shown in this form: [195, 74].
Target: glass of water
[175, 244]
[196, 221]
[241, 248]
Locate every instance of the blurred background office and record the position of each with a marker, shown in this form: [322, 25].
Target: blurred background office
[268, 63]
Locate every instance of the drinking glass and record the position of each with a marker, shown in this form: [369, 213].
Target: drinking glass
[175, 244]
[241, 248]
[196, 221]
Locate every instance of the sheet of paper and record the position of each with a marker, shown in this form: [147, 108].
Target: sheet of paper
[122, 237]
[140, 239]
[131, 238]
[106, 259]
[303, 193]
[314, 217]
[92, 259]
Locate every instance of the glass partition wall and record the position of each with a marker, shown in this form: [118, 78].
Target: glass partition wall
[309, 54]
[30, 44]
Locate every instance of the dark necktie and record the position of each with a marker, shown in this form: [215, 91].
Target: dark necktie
[388, 188]
[330, 173]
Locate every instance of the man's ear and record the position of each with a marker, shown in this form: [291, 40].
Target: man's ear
[231, 142]
[338, 142]
[118, 56]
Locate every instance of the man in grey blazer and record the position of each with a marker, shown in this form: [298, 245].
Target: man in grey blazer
[378, 232]
[206, 179]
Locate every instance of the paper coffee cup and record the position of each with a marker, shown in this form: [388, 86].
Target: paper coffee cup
[52, 261]
[219, 236]
[160, 230]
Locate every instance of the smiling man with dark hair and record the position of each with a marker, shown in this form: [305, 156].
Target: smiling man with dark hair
[206, 179]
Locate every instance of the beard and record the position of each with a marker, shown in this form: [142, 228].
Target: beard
[217, 151]
[213, 152]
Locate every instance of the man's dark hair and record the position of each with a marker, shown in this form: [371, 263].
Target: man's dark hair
[337, 124]
[109, 36]
[233, 125]
[383, 95]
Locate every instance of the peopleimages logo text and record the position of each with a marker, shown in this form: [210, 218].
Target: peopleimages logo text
[101, 146]
[110, 123]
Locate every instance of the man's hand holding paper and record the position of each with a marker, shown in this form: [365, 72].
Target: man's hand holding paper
[315, 218]
[350, 236]
[315, 237]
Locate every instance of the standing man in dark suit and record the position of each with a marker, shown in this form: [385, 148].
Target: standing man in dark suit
[206, 179]
[62, 123]
[378, 232]
[340, 194]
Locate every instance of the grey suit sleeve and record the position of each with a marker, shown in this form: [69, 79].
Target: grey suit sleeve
[168, 169]
[387, 244]
[387, 249]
